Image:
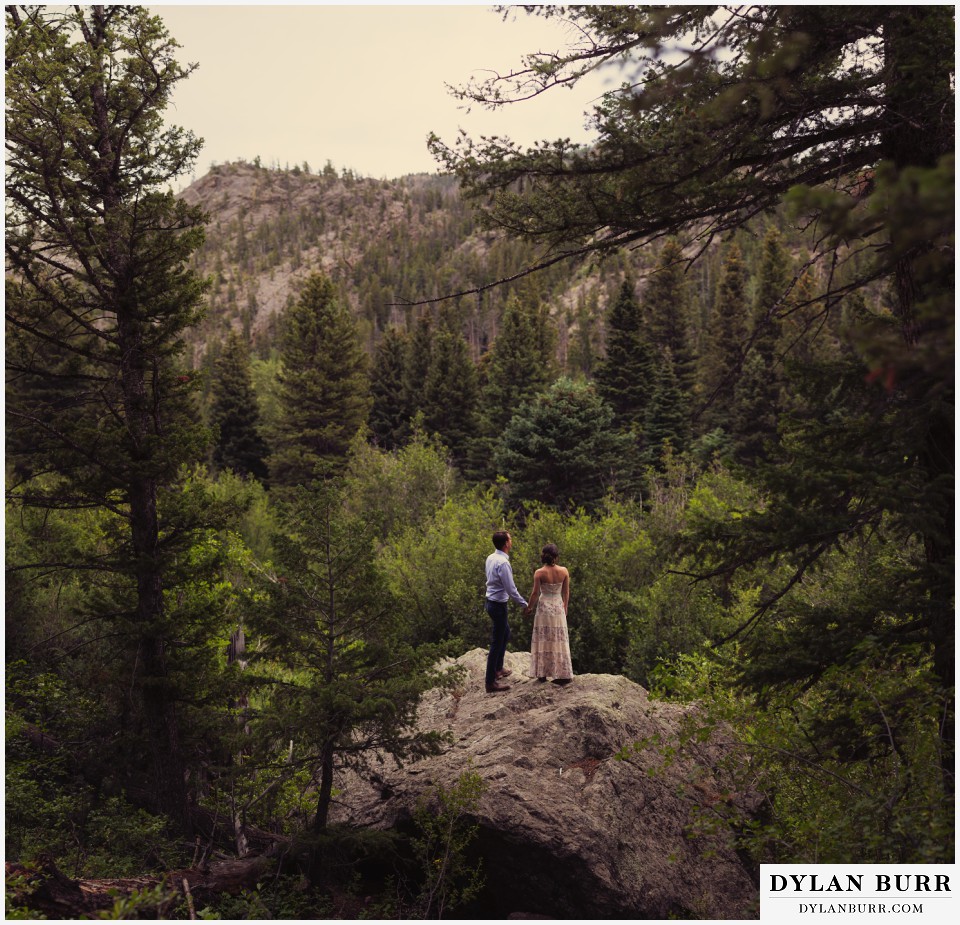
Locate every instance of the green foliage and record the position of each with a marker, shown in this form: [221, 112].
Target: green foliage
[728, 333]
[324, 387]
[667, 419]
[98, 301]
[445, 834]
[343, 680]
[560, 449]
[519, 364]
[255, 519]
[417, 364]
[666, 313]
[610, 558]
[16, 890]
[450, 396]
[281, 898]
[876, 796]
[624, 377]
[806, 602]
[235, 414]
[848, 112]
[150, 902]
[388, 409]
[434, 570]
[400, 488]
[52, 811]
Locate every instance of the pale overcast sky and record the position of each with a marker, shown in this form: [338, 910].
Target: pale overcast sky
[360, 85]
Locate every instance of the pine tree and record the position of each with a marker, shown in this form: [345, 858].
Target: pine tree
[723, 359]
[770, 304]
[755, 409]
[666, 313]
[324, 392]
[517, 367]
[667, 419]
[417, 364]
[581, 354]
[519, 364]
[97, 264]
[235, 413]
[450, 397]
[389, 415]
[561, 448]
[757, 392]
[354, 680]
[624, 376]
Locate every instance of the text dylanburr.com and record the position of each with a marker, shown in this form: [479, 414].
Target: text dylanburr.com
[921, 893]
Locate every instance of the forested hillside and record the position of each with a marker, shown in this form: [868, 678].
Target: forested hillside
[385, 243]
[260, 434]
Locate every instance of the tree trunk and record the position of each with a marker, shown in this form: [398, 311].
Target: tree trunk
[141, 415]
[158, 703]
[918, 49]
[326, 788]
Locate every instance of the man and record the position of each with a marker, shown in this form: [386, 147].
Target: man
[500, 588]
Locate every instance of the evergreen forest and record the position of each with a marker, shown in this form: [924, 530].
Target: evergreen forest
[259, 435]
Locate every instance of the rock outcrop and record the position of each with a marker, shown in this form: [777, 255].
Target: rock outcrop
[567, 829]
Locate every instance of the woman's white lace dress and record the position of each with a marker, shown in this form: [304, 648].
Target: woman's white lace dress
[550, 643]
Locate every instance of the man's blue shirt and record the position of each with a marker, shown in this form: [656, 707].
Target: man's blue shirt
[500, 585]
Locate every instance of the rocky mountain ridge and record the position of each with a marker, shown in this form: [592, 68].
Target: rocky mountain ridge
[386, 243]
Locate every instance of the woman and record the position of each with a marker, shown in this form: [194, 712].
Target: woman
[549, 642]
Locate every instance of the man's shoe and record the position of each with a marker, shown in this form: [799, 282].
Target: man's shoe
[504, 673]
[493, 688]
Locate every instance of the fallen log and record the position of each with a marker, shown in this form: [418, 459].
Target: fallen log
[44, 888]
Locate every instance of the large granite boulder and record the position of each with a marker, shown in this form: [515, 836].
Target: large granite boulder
[567, 830]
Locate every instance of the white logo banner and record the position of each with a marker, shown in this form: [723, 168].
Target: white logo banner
[832, 893]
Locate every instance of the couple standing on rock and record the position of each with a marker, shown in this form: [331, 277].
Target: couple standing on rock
[549, 642]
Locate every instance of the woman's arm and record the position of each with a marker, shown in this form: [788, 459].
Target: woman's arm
[566, 592]
[535, 593]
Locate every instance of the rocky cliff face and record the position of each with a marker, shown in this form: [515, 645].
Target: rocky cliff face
[567, 829]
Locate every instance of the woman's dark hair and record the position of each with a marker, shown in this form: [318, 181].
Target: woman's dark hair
[549, 554]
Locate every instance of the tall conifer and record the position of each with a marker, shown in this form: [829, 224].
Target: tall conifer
[667, 418]
[561, 448]
[417, 364]
[723, 359]
[624, 376]
[450, 394]
[235, 413]
[757, 392]
[518, 365]
[97, 254]
[581, 353]
[666, 313]
[770, 303]
[389, 414]
[324, 389]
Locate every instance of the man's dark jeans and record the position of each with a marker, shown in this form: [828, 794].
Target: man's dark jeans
[499, 639]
